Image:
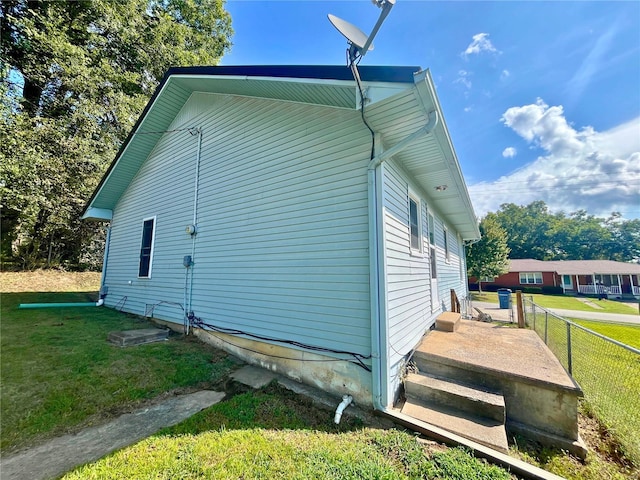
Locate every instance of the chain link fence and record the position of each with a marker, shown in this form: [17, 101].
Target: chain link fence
[607, 371]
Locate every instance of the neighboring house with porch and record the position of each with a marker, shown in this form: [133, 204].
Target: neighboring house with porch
[588, 277]
[253, 206]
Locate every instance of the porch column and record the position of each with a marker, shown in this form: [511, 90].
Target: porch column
[620, 284]
[578, 283]
[593, 282]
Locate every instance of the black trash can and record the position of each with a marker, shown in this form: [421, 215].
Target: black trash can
[504, 297]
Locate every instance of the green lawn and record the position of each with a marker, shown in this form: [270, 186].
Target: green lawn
[566, 302]
[608, 374]
[627, 334]
[273, 433]
[58, 372]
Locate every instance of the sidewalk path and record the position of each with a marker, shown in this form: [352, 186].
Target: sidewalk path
[61, 454]
[503, 314]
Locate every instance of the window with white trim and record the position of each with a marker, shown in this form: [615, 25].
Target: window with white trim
[414, 224]
[146, 247]
[531, 278]
[432, 230]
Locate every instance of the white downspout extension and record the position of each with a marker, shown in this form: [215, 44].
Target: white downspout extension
[379, 339]
[346, 401]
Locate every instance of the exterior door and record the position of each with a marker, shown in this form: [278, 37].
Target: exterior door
[435, 298]
[567, 282]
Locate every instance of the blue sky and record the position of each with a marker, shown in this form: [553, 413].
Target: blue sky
[542, 99]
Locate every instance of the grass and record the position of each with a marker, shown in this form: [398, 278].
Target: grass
[608, 374]
[604, 461]
[274, 433]
[59, 373]
[567, 303]
[627, 334]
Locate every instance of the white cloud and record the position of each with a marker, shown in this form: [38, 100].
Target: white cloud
[509, 152]
[463, 78]
[505, 74]
[468, 109]
[585, 169]
[479, 44]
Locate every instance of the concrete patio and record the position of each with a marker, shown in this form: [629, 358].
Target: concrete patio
[540, 398]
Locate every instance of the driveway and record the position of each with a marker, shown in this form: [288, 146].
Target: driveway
[503, 314]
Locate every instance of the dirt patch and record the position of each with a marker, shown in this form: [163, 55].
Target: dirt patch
[601, 442]
[49, 281]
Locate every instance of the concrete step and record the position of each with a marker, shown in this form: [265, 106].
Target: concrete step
[455, 371]
[486, 431]
[445, 392]
[127, 338]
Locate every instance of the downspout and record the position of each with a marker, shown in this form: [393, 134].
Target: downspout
[105, 261]
[379, 326]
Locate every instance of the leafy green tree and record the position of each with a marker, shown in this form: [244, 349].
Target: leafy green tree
[488, 257]
[529, 229]
[534, 232]
[76, 76]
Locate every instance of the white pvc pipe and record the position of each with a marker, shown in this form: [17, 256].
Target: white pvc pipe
[100, 302]
[346, 401]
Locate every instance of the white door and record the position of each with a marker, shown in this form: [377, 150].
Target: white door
[435, 298]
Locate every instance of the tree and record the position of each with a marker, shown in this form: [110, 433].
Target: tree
[488, 257]
[534, 232]
[76, 76]
[528, 229]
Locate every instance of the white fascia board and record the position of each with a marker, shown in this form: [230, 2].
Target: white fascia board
[126, 147]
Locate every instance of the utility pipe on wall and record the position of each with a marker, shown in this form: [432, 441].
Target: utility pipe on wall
[188, 293]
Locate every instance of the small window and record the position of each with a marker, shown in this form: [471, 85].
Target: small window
[146, 248]
[446, 245]
[414, 224]
[432, 236]
[531, 278]
[488, 279]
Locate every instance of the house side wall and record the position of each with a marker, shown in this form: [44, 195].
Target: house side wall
[411, 310]
[282, 243]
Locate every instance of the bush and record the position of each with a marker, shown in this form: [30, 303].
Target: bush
[549, 290]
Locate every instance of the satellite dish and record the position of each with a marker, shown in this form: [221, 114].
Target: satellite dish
[359, 43]
[352, 33]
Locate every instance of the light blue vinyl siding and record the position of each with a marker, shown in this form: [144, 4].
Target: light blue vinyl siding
[408, 274]
[282, 243]
[449, 270]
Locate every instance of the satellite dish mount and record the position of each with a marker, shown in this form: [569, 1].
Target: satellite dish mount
[359, 42]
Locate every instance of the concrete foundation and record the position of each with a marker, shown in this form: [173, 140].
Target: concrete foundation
[336, 376]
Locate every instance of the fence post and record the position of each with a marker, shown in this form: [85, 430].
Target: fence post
[546, 327]
[569, 363]
[521, 323]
